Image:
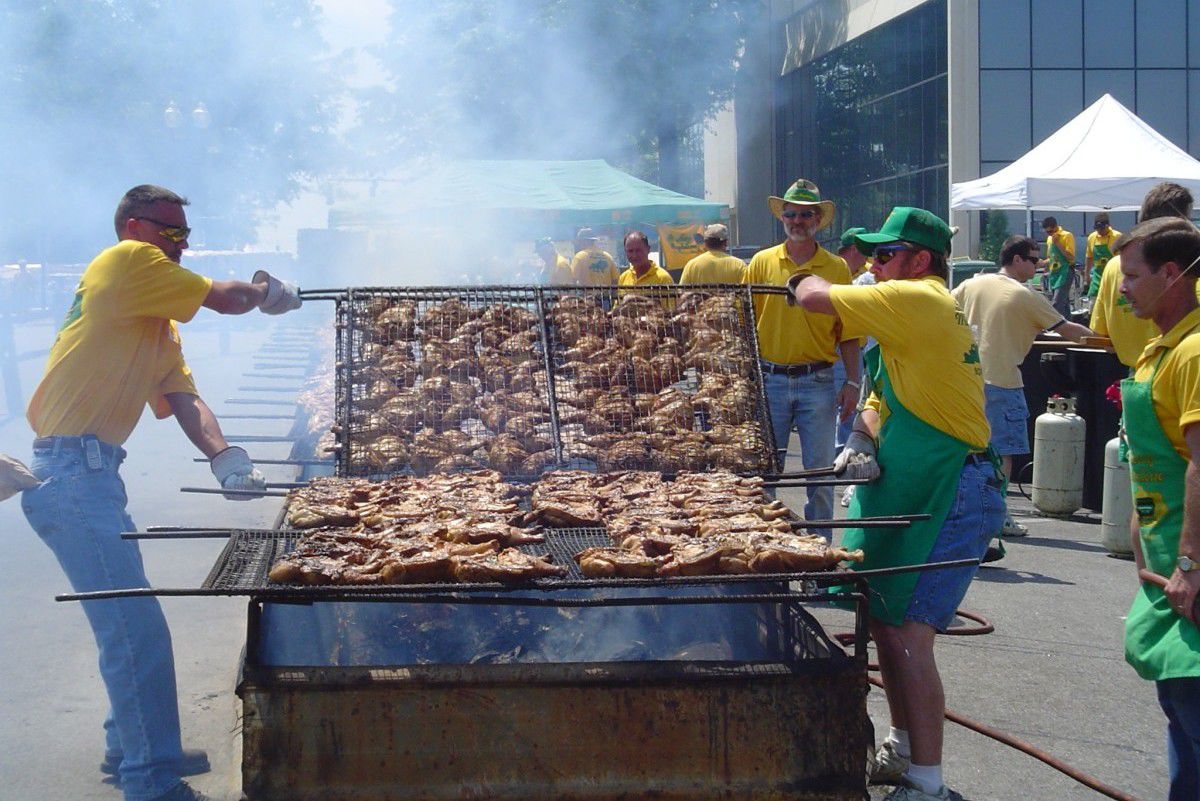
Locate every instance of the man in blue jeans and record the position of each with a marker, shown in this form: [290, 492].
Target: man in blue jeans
[117, 351]
[798, 349]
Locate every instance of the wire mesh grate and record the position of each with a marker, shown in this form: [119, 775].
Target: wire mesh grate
[524, 379]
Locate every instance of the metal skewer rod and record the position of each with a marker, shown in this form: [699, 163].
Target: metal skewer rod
[260, 402]
[246, 493]
[264, 366]
[295, 462]
[816, 482]
[816, 472]
[257, 438]
[254, 417]
[292, 389]
[843, 523]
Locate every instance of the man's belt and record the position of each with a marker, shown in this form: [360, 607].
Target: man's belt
[795, 369]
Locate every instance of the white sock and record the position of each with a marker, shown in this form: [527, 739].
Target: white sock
[899, 741]
[926, 778]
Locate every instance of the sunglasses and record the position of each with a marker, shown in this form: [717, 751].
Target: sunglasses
[790, 214]
[171, 232]
[885, 253]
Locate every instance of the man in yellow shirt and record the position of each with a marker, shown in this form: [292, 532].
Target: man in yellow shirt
[1112, 316]
[642, 270]
[591, 265]
[714, 265]
[798, 348]
[1099, 251]
[118, 351]
[1006, 316]
[1160, 411]
[1060, 263]
[921, 439]
[556, 270]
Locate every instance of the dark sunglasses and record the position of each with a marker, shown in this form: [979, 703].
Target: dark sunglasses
[1100, 225]
[807, 214]
[172, 232]
[885, 253]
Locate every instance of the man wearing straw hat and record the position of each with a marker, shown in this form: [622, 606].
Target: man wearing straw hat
[798, 349]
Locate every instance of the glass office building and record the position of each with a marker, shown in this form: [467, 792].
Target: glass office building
[886, 102]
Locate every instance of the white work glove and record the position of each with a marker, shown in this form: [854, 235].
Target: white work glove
[14, 477]
[235, 471]
[282, 296]
[857, 459]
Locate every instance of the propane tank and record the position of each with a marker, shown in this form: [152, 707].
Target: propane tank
[1117, 507]
[1058, 437]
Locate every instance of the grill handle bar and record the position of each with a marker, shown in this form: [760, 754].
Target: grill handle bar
[322, 294]
[816, 482]
[464, 595]
[260, 402]
[292, 388]
[255, 417]
[247, 493]
[817, 472]
[231, 438]
[295, 462]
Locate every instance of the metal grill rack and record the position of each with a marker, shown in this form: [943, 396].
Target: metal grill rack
[524, 379]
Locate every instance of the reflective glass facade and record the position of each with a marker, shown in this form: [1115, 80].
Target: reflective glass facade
[1041, 62]
[868, 121]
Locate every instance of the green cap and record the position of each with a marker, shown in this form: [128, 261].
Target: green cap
[907, 224]
[848, 236]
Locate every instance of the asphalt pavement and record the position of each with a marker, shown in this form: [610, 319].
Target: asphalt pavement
[1052, 673]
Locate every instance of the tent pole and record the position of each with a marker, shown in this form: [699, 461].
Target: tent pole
[1028, 221]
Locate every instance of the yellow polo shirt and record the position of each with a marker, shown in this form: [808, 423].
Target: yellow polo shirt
[118, 348]
[713, 267]
[928, 349]
[1113, 317]
[654, 276]
[788, 334]
[1007, 316]
[1094, 238]
[560, 274]
[594, 267]
[1176, 388]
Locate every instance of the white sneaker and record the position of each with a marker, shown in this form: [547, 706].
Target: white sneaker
[1013, 529]
[847, 494]
[906, 793]
[889, 767]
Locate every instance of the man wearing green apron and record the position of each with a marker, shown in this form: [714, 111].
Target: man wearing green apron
[1099, 250]
[1160, 260]
[1060, 264]
[924, 435]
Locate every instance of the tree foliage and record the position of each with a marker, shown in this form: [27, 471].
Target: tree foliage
[621, 79]
[994, 233]
[86, 84]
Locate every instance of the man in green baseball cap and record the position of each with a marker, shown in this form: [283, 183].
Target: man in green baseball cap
[799, 349]
[921, 439]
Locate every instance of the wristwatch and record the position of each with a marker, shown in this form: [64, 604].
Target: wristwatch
[1187, 564]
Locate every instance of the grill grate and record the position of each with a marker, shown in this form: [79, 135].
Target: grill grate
[523, 379]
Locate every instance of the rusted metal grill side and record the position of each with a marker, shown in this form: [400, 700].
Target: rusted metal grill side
[657, 378]
[443, 379]
[791, 726]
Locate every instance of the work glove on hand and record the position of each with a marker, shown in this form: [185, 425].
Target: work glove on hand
[792, 283]
[235, 471]
[14, 477]
[282, 296]
[857, 459]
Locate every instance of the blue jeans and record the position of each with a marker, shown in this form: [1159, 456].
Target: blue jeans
[974, 518]
[1180, 701]
[1007, 414]
[807, 401]
[842, 427]
[80, 514]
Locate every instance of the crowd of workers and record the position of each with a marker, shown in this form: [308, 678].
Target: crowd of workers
[868, 356]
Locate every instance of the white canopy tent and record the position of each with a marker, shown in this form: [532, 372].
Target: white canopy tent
[1105, 159]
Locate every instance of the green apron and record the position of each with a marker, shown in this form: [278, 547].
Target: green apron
[1060, 266]
[1159, 644]
[920, 468]
[1100, 257]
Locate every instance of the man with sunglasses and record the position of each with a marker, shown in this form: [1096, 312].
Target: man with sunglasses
[799, 349]
[923, 436]
[118, 350]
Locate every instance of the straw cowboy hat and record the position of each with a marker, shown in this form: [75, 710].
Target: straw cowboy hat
[804, 193]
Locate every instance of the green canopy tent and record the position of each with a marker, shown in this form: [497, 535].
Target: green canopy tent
[531, 198]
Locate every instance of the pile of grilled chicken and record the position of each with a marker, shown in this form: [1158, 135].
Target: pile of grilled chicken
[699, 524]
[470, 526]
[617, 377]
[407, 530]
[462, 386]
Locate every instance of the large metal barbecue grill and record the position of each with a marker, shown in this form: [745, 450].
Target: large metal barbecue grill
[523, 379]
[746, 699]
